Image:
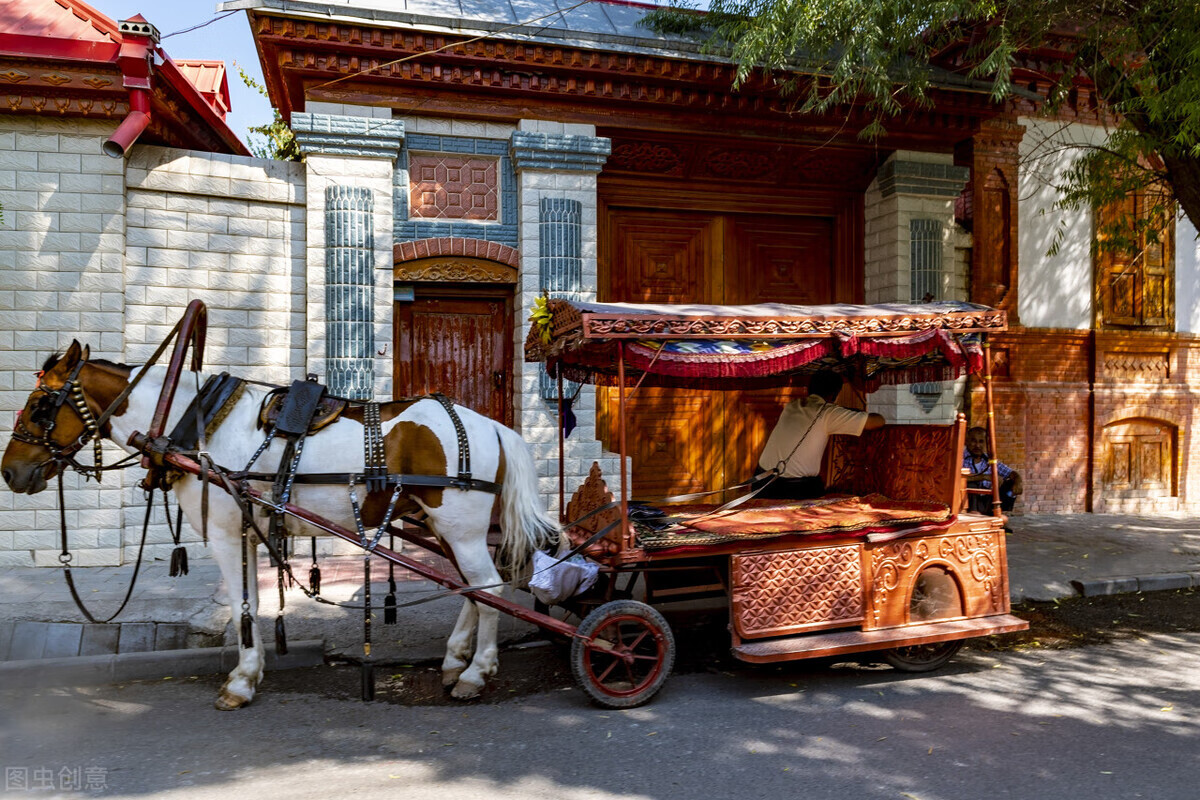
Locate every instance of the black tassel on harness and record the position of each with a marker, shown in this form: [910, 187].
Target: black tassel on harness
[247, 630]
[314, 572]
[389, 604]
[179, 564]
[281, 648]
[368, 681]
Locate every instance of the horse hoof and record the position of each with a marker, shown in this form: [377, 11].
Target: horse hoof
[227, 701]
[464, 690]
[450, 676]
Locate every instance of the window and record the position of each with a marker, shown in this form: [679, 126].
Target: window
[1135, 272]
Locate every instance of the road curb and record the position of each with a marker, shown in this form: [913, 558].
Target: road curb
[152, 665]
[1163, 581]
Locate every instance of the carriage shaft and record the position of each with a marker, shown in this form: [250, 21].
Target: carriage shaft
[544, 621]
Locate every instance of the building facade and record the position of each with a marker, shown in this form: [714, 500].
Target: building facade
[461, 161]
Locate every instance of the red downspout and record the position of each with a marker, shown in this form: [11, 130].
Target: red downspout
[135, 59]
[132, 126]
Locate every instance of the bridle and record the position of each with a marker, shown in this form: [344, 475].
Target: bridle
[45, 415]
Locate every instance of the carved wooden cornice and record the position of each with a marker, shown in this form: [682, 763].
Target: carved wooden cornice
[770, 164]
[449, 73]
[454, 270]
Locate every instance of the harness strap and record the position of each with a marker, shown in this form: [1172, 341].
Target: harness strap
[464, 449]
[374, 454]
[330, 478]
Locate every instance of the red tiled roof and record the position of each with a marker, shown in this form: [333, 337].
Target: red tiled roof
[210, 79]
[40, 28]
[72, 31]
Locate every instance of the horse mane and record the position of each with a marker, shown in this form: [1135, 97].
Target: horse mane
[99, 362]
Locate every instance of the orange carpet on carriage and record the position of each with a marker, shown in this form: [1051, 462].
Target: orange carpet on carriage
[872, 515]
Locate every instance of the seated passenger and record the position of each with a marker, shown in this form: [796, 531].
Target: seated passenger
[975, 459]
[797, 443]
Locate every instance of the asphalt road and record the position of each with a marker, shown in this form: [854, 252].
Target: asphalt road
[1111, 721]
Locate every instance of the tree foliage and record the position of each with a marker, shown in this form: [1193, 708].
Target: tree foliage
[1142, 58]
[278, 140]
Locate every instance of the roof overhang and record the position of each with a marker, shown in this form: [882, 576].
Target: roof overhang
[624, 77]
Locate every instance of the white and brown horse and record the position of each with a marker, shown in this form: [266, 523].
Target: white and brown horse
[420, 439]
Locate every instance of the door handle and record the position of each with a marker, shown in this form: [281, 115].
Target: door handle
[498, 380]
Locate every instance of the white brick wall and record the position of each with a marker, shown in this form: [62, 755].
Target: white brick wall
[887, 278]
[536, 419]
[61, 278]
[110, 252]
[374, 174]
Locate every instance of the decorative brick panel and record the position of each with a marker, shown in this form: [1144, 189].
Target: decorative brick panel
[445, 186]
[456, 246]
[1063, 388]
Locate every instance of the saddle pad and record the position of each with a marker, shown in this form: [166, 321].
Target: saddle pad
[328, 409]
[767, 518]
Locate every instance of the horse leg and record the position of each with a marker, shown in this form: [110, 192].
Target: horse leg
[477, 568]
[459, 646]
[239, 687]
[226, 540]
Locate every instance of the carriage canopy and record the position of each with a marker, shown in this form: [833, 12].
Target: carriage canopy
[739, 347]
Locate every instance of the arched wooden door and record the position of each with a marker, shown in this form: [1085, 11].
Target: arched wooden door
[454, 334]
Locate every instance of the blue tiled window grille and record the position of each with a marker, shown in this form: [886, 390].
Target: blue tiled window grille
[560, 266]
[349, 291]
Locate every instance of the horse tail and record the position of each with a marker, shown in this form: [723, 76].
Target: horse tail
[524, 522]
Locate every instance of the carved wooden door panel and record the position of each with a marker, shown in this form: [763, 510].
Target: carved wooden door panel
[688, 441]
[457, 343]
[673, 434]
[770, 260]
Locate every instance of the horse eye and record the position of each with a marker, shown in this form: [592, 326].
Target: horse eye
[42, 413]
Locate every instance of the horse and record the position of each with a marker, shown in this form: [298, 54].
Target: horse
[68, 407]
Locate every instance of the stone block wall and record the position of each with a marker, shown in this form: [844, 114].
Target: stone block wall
[61, 278]
[110, 252]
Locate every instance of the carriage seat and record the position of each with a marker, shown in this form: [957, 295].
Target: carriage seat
[910, 463]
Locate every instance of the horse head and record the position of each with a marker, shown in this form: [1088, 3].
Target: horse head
[59, 418]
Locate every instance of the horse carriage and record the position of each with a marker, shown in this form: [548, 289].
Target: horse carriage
[886, 562]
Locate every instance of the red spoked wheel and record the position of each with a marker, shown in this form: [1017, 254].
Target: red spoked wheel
[622, 654]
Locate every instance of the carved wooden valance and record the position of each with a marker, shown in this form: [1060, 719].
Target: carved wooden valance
[454, 269]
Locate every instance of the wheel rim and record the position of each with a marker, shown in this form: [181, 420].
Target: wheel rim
[625, 656]
[925, 653]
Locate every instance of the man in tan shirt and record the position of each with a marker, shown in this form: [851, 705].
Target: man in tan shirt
[797, 443]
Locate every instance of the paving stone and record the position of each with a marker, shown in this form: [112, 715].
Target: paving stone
[62, 640]
[29, 640]
[99, 640]
[136, 637]
[6, 635]
[170, 636]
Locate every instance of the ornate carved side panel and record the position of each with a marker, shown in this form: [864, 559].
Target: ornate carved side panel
[786, 592]
[903, 462]
[592, 494]
[975, 560]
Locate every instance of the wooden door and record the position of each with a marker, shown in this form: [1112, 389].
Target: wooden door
[457, 341]
[771, 259]
[667, 257]
[689, 441]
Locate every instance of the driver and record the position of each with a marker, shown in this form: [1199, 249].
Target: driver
[797, 443]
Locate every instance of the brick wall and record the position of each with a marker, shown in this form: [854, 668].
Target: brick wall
[1056, 392]
[537, 419]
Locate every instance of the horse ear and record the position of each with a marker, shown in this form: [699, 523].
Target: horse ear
[74, 353]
